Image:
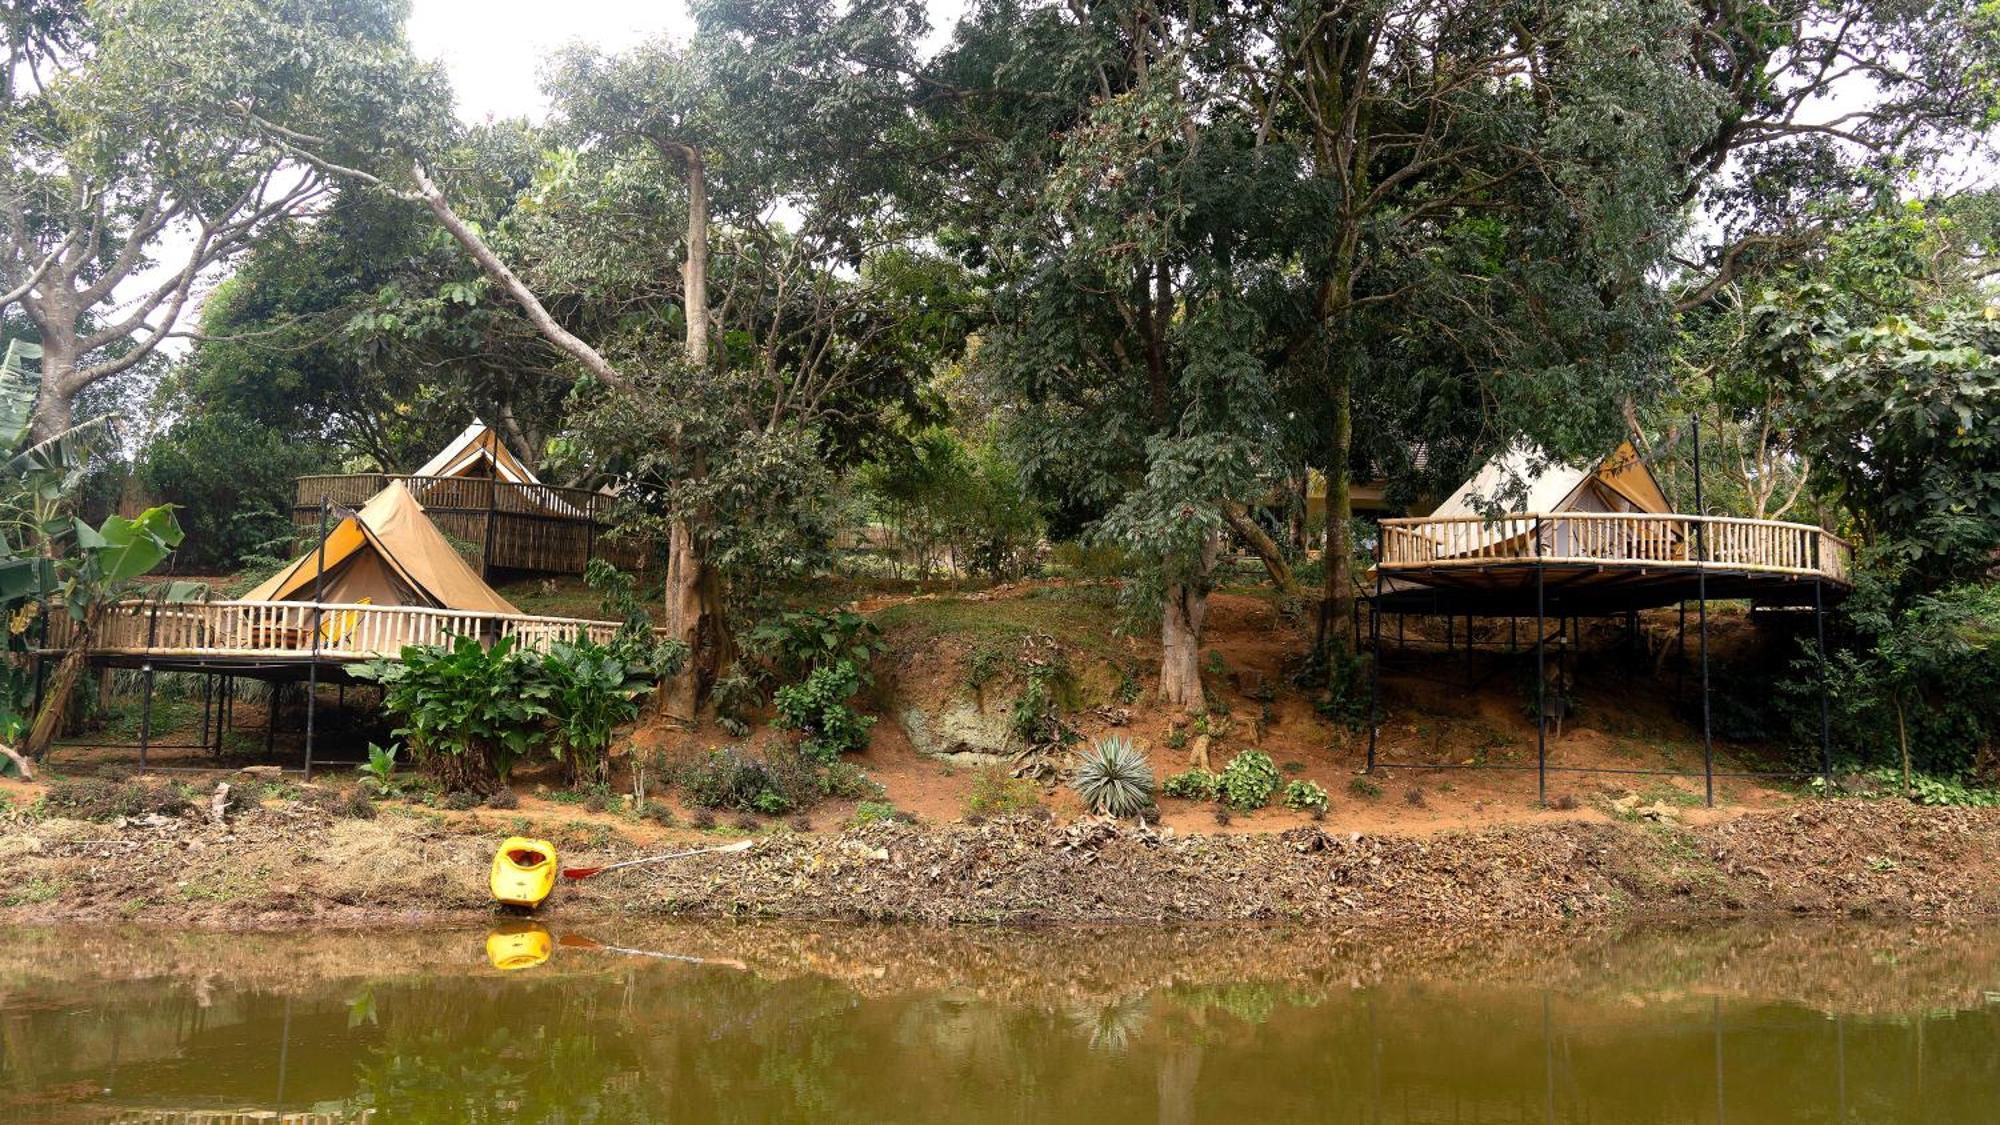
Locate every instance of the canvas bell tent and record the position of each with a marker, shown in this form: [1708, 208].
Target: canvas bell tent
[1524, 480]
[478, 452]
[388, 553]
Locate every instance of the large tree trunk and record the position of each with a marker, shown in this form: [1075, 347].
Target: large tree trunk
[1263, 546]
[694, 272]
[695, 618]
[1181, 623]
[62, 685]
[1336, 610]
[694, 588]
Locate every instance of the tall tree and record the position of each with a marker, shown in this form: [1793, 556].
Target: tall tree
[130, 171]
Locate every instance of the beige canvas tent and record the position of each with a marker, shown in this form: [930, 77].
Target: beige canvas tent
[388, 553]
[1524, 480]
[478, 452]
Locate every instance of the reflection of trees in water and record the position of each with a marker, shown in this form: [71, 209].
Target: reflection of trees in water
[589, 1038]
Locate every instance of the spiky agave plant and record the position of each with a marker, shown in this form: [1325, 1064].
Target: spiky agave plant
[1114, 777]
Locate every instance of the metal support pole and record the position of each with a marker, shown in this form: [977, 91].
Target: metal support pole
[1375, 661]
[1541, 677]
[207, 699]
[312, 669]
[271, 716]
[1701, 594]
[146, 678]
[145, 711]
[1825, 707]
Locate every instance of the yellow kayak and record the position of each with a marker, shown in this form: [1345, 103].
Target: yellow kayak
[524, 872]
[518, 947]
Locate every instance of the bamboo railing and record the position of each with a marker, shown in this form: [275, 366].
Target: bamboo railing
[459, 494]
[1624, 539]
[307, 631]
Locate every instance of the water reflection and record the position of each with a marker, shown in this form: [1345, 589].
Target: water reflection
[704, 1023]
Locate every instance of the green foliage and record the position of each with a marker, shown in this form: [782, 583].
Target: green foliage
[953, 506]
[231, 480]
[821, 710]
[589, 689]
[1249, 780]
[871, 812]
[733, 778]
[1364, 788]
[1114, 778]
[994, 790]
[1305, 796]
[797, 644]
[468, 713]
[378, 773]
[1193, 785]
[1927, 789]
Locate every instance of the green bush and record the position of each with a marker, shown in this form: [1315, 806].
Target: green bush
[731, 778]
[795, 646]
[468, 713]
[591, 689]
[1248, 781]
[1926, 789]
[820, 709]
[1114, 777]
[994, 790]
[868, 812]
[1305, 796]
[1193, 785]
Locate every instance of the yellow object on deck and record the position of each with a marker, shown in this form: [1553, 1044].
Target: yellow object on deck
[524, 872]
[518, 947]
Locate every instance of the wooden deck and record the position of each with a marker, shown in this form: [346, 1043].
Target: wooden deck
[535, 527]
[1590, 561]
[200, 633]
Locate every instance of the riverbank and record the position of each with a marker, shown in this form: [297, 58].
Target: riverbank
[322, 858]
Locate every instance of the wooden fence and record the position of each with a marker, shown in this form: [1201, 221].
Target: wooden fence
[1616, 539]
[306, 631]
[536, 527]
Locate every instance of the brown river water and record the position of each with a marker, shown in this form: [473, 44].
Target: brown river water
[1746, 1023]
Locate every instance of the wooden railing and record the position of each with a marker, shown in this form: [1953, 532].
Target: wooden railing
[459, 494]
[1616, 539]
[303, 630]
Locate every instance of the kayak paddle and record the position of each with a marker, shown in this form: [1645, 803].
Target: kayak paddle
[578, 941]
[587, 872]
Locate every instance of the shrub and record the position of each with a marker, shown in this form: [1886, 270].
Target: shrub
[1114, 777]
[590, 689]
[468, 713]
[819, 709]
[796, 645]
[1193, 785]
[1248, 781]
[868, 812]
[729, 778]
[1305, 796]
[994, 790]
[1362, 787]
[848, 782]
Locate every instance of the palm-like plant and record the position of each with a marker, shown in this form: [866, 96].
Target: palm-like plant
[1114, 777]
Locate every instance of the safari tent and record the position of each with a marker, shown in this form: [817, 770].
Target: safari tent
[388, 553]
[1525, 480]
[478, 452]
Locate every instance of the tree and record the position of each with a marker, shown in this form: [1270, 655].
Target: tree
[130, 171]
[1890, 352]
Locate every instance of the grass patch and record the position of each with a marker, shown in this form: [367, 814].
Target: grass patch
[34, 891]
[1080, 618]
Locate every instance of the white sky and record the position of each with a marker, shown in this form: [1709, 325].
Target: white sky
[494, 49]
